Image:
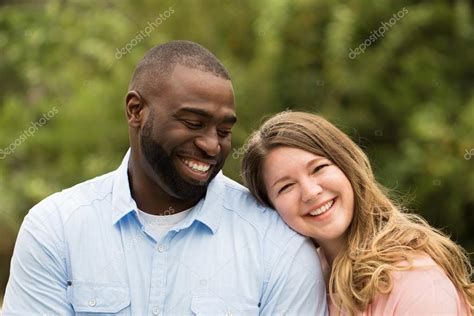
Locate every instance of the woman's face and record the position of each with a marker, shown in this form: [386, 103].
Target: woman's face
[311, 194]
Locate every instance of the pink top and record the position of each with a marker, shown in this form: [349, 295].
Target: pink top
[425, 290]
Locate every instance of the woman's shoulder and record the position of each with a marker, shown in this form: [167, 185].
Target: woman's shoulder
[420, 265]
[419, 260]
[420, 273]
[423, 288]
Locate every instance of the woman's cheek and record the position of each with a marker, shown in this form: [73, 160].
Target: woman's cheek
[287, 206]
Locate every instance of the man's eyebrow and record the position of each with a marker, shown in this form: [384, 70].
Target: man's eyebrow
[227, 119]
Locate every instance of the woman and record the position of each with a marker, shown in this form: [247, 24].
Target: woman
[377, 259]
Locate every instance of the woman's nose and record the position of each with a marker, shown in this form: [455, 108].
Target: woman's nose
[310, 190]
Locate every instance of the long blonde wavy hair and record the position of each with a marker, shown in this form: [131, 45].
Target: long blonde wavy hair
[381, 234]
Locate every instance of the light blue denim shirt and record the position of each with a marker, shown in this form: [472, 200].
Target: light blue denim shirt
[84, 250]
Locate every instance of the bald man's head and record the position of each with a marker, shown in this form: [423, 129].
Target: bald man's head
[160, 61]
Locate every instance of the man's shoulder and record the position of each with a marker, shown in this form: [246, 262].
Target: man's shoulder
[238, 200]
[261, 225]
[72, 198]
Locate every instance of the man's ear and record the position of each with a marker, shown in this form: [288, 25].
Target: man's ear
[134, 106]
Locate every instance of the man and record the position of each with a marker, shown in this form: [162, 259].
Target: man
[166, 233]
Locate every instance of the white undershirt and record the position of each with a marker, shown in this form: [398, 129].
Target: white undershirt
[160, 225]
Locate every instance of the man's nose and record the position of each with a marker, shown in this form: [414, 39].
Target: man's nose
[209, 142]
[310, 190]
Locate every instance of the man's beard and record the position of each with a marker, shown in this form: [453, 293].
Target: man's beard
[164, 168]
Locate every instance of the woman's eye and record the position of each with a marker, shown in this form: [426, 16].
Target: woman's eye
[316, 169]
[285, 187]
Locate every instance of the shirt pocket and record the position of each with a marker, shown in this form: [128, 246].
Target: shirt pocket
[103, 299]
[211, 305]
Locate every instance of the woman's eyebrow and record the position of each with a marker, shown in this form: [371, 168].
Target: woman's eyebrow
[309, 163]
[280, 180]
[314, 160]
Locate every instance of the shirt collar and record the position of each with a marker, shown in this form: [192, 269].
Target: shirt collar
[122, 201]
[208, 210]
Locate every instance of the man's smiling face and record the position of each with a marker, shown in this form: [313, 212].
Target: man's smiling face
[187, 134]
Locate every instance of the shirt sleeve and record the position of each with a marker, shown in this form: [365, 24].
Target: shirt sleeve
[296, 285]
[38, 277]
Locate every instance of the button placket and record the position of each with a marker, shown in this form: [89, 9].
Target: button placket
[161, 248]
[92, 302]
[155, 310]
[158, 277]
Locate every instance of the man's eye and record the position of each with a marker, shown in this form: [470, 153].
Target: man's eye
[193, 125]
[224, 133]
[285, 188]
[317, 168]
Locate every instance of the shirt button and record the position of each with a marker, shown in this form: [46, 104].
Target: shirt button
[92, 302]
[161, 248]
[155, 310]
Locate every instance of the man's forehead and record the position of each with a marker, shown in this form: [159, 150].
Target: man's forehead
[158, 80]
[190, 82]
[194, 74]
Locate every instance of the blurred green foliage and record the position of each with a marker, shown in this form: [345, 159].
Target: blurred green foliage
[407, 100]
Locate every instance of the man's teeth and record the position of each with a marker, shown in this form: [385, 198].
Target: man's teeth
[322, 209]
[202, 167]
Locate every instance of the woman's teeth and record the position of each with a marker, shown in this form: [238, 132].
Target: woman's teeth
[322, 209]
[196, 166]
